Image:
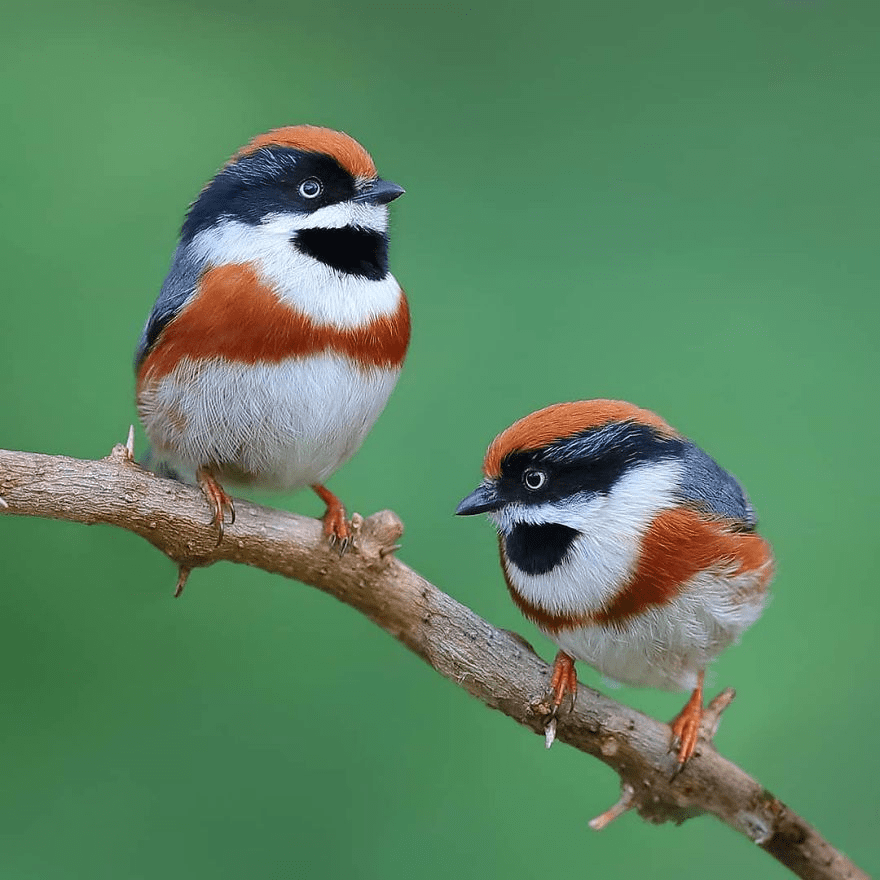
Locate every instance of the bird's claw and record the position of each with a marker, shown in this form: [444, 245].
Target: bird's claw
[686, 725]
[338, 536]
[336, 527]
[563, 682]
[685, 732]
[219, 501]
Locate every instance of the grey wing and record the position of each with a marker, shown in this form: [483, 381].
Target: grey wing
[180, 284]
[713, 488]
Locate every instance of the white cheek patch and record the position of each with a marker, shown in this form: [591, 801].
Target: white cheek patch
[336, 216]
[573, 512]
[604, 554]
[325, 295]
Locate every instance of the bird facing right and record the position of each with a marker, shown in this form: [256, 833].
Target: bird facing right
[626, 544]
[280, 331]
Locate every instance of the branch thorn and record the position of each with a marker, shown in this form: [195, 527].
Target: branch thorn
[550, 732]
[4, 504]
[712, 713]
[129, 443]
[626, 802]
[182, 577]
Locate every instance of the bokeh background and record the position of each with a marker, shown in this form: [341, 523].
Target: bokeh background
[673, 203]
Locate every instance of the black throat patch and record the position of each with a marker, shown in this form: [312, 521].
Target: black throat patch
[351, 249]
[536, 549]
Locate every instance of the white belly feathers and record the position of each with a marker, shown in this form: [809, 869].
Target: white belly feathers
[293, 423]
[667, 646]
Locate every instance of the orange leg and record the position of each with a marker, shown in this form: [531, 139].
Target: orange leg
[336, 527]
[563, 680]
[686, 725]
[218, 499]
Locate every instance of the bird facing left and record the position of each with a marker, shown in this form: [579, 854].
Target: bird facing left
[279, 332]
[626, 544]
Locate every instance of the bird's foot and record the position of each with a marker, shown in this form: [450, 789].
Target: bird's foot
[217, 498]
[563, 680]
[686, 725]
[337, 529]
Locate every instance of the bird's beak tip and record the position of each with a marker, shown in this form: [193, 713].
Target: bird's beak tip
[482, 500]
[379, 192]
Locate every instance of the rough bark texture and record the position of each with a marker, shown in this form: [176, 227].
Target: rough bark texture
[491, 664]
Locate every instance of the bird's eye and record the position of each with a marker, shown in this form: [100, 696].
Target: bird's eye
[311, 188]
[534, 479]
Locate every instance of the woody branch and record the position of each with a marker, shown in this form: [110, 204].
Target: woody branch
[491, 664]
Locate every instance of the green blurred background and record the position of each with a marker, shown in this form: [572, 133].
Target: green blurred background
[674, 203]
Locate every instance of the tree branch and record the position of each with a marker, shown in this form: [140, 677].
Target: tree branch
[493, 665]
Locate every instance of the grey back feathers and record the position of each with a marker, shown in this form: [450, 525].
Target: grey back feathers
[709, 485]
[180, 284]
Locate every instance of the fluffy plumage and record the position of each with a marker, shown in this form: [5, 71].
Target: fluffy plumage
[625, 543]
[279, 332]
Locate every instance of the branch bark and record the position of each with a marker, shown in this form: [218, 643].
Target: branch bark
[493, 665]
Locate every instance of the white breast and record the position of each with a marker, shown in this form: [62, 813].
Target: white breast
[287, 425]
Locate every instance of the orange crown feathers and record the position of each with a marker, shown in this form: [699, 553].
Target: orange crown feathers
[560, 420]
[313, 139]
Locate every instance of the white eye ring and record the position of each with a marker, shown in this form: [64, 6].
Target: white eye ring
[534, 479]
[311, 188]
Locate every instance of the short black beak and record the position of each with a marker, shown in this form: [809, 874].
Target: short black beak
[379, 192]
[483, 499]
